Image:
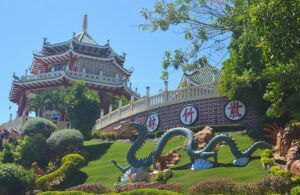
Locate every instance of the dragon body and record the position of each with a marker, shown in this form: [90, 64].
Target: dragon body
[205, 153]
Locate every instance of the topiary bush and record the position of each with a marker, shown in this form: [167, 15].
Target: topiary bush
[91, 188]
[174, 187]
[271, 184]
[65, 138]
[103, 135]
[295, 190]
[70, 163]
[214, 186]
[33, 150]
[38, 125]
[16, 179]
[267, 157]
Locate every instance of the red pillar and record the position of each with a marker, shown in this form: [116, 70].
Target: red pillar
[22, 102]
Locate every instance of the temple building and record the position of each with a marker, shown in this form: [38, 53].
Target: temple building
[80, 58]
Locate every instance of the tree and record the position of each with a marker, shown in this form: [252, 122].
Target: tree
[116, 100]
[278, 23]
[83, 107]
[205, 24]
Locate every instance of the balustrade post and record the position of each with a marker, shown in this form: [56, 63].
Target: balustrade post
[130, 85]
[148, 95]
[166, 90]
[10, 117]
[136, 90]
[102, 113]
[131, 102]
[26, 73]
[110, 108]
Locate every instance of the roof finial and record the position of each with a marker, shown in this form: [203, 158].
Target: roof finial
[84, 25]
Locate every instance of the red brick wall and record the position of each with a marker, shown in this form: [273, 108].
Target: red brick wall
[210, 113]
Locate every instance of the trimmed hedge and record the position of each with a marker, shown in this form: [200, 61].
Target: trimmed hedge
[103, 135]
[70, 163]
[220, 128]
[38, 125]
[134, 192]
[65, 138]
[295, 190]
[16, 179]
[90, 188]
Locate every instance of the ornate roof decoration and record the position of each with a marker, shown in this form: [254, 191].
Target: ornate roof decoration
[203, 75]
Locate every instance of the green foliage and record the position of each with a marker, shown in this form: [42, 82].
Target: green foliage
[277, 22]
[116, 100]
[282, 173]
[267, 157]
[103, 135]
[133, 192]
[82, 107]
[33, 150]
[158, 134]
[158, 177]
[90, 188]
[38, 125]
[214, 186]
[219, 128]
[295, 190]
[273, 169]
[65, 138]
[296, 180]
[16, 179]
[70, 163]
[11, 151]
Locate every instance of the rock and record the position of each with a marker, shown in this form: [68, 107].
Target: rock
[38, 171]
[241, 162]
[283, 143]
[293, 159]
[201, 164]
[169, 160]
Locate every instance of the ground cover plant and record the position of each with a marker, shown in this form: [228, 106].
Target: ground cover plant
[99, 169]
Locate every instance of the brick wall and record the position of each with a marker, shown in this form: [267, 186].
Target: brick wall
[210, 113]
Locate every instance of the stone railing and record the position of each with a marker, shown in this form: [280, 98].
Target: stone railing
[160, 100]
[16, 123]
[75, 75]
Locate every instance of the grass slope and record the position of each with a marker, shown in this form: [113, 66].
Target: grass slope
[99, 169]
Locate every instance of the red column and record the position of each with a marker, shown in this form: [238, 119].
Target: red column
[22, 104]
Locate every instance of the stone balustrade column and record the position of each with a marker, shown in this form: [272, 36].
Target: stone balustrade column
[120, 102]
[131, 102]
[10, 117]
[130, 85]
[136, 90]
[148, 95]
[101, 113]
[110, 108]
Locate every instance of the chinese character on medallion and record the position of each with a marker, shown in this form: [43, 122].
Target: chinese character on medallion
[235, 110]
[188, 115]
[152, 122]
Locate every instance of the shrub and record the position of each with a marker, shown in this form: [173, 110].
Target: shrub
[8, 135]
[158, 177]
[91, 188]
[151, 135]
[16, 179]
[38, 125]
[267, 157]
[70, 164]
[271, 184]
[133, 186]
[283, 173]
[214, 186]
[7, 155]
[33, 150]
[220, 128]
[295, 190]
[103, 135]
[65, 193]
[296, 180]
[273, 169]
[65, 138]
[175, 187]
[158, 134]
[247, 188]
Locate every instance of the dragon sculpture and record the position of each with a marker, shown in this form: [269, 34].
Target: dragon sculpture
[205, 153]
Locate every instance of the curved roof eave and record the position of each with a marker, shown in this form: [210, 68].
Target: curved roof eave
[83, 55]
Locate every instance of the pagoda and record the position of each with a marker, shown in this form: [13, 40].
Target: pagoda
[81, 58]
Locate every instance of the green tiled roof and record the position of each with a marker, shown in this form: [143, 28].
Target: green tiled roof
[204, 75]
[85, 38]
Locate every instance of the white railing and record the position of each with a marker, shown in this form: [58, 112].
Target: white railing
[75, 75]
[163, 99]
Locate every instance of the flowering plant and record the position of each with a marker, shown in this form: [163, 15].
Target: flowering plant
[8, 135]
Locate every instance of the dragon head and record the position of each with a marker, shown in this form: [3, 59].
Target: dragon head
[125, 129]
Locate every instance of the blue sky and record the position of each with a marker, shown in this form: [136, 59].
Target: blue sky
[25, 23]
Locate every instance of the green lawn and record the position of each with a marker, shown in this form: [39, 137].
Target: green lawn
[99, 169]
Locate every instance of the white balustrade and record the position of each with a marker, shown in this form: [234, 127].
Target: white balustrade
[164, 99]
